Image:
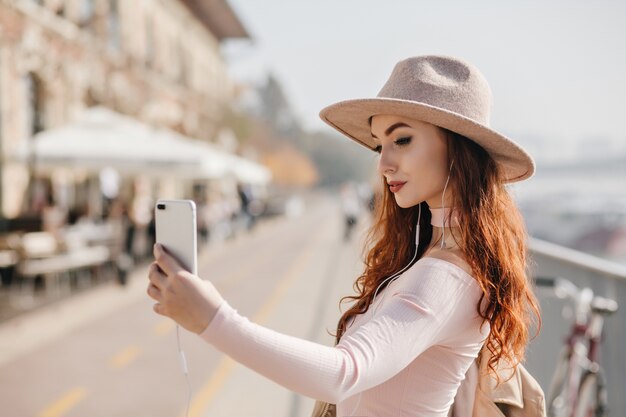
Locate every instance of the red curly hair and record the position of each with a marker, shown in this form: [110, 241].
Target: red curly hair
[492, 238]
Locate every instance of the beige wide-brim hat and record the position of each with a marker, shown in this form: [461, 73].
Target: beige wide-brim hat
[441, 90]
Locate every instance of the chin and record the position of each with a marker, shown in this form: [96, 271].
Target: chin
[405, 203]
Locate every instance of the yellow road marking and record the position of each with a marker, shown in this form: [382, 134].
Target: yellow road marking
[65, 403]
[164, 327]
[226, 366]
[124, 357]
[208, 391]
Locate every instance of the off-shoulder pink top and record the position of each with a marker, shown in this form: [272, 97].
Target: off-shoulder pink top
[406, 356]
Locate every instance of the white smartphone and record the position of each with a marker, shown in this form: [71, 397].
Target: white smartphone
[175, 222]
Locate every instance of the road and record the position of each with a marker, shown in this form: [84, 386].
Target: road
[106, 353]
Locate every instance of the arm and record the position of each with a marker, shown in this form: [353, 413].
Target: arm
[414, 316]
[417, 313]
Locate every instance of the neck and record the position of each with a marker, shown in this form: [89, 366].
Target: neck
[444, 217]
[445, 222]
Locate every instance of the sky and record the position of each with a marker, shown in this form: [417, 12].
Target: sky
[557, 68]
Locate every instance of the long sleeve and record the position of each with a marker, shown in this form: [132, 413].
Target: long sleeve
[425, 306]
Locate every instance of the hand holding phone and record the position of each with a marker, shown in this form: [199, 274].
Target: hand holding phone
[174, 284]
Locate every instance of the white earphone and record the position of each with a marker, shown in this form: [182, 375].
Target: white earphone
[443, 227]
[392, 277]
[417, 242]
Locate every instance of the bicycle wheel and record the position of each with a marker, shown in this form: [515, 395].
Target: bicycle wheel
[557, 393]
[591, 397]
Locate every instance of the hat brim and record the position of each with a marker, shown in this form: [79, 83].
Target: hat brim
[351, 117]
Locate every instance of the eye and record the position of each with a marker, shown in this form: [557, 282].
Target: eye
[403, 141]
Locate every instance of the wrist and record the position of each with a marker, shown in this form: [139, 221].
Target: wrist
[208, 318]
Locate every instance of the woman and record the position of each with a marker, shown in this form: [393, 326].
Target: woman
[445, 272]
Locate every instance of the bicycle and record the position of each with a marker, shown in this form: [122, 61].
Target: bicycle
[578, 387]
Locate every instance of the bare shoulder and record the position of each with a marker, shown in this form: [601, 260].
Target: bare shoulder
[454, 256]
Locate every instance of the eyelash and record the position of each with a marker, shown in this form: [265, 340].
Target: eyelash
[403, 141]
[400, 142]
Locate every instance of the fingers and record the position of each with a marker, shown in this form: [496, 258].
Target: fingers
[158, 308]
[157, 278]
[157, 282]
[154, 292]
[166, 262]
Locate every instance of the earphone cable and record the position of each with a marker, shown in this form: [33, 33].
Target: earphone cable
[394, 276]
[183, 364]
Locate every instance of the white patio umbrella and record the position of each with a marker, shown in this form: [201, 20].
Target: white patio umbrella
[103, 138]
[250, 172]
[216, 162]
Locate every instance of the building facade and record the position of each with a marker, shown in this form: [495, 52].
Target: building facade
[155, 60]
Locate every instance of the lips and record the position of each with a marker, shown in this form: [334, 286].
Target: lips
[395, 186]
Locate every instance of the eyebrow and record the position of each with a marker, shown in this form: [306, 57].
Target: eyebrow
[392, 128]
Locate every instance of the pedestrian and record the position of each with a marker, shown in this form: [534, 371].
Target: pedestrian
[246, 199]
[351, 208]
[445, 274]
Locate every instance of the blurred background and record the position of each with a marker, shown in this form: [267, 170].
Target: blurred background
[108, 105]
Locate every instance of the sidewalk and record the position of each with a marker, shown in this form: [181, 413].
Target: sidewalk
[24, 333]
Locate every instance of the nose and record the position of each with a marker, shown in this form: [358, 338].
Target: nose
[386, 162]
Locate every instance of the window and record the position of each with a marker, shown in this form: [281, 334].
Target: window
[149, 45]
[114, 25]
[35, 104]
[87, 11]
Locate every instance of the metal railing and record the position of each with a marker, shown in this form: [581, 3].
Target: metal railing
[607, 279]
